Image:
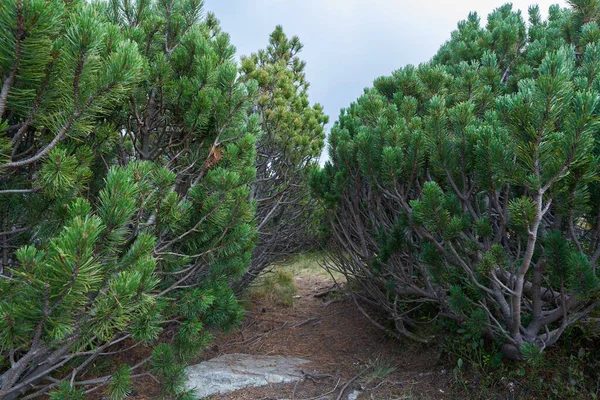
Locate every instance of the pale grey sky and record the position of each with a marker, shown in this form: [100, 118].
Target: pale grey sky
[349, 43]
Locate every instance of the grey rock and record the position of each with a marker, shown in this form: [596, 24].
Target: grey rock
[232, 372]
[354, 395]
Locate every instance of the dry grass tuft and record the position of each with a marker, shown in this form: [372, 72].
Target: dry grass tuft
[277, 287]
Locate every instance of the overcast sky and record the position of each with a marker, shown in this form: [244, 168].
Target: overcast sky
[349, 43]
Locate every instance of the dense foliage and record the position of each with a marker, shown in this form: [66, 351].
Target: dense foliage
[467, 188]
[291, 141]
[126, 159]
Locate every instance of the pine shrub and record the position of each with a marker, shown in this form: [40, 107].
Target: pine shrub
[467, 187]
[288, 149]
[126, 158]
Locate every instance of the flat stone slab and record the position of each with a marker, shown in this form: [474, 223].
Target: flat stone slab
[231, 372]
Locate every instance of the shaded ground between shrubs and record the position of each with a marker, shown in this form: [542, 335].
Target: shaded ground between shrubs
[346, 351]
[340, 343]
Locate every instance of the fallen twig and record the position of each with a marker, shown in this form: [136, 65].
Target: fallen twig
[325, 394]
[350, 382]
[327, 303]
[308, 321]
[328, 290]
[314, 377]
[380, 384]
[256, 338]
[294, 392]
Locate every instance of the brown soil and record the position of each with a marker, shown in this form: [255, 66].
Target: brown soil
[341, 345]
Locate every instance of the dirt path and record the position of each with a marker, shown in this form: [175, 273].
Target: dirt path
[341, 344]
